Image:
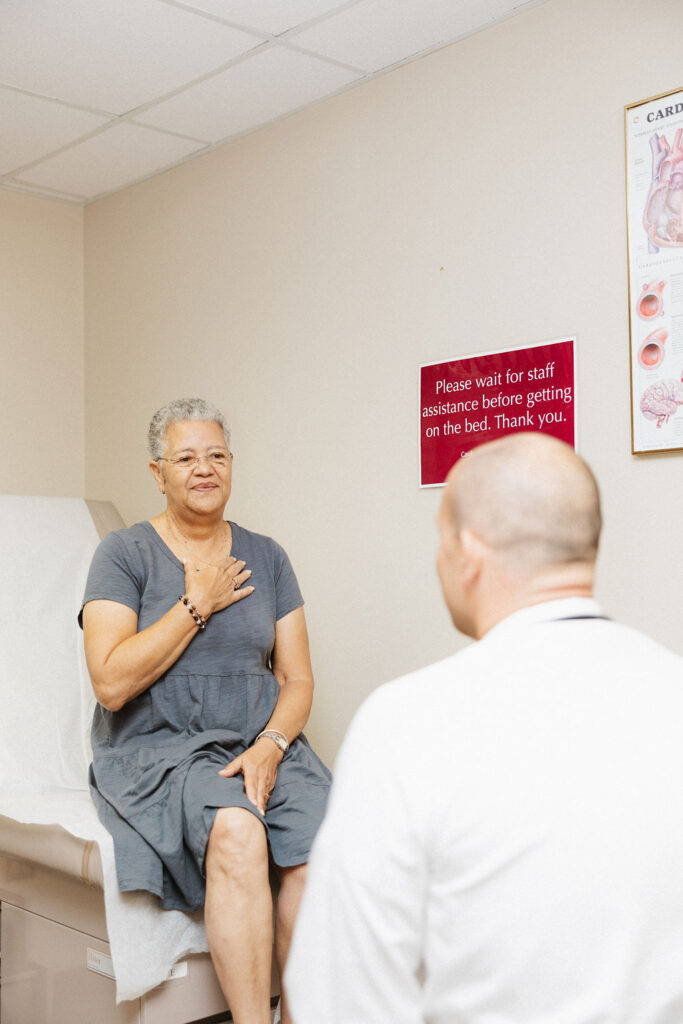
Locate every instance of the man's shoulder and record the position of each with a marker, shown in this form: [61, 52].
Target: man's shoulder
[413, 694]
[398, 719]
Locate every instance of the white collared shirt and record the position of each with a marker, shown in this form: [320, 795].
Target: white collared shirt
[504, 841]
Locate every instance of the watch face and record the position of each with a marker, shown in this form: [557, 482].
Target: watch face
[280, 740]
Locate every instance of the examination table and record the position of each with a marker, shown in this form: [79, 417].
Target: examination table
[65, 930]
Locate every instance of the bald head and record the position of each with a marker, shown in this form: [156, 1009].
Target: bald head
[530, 498]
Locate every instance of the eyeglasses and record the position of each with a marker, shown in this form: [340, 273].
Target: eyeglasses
[217, 460]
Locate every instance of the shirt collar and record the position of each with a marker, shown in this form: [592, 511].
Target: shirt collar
[546, 611]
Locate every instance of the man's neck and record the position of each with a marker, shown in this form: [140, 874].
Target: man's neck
[506, 603]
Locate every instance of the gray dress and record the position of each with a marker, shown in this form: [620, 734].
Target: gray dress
[154, 776]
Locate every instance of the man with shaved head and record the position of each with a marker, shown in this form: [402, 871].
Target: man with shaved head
[504, 840]
[528, 509]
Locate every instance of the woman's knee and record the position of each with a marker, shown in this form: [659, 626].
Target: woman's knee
[237, 843]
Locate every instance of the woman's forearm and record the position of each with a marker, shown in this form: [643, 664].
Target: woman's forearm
[123, 663]
[292, 669]
[136, 662]
[293, 707]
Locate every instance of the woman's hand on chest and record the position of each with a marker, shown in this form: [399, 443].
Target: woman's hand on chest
[211, 588]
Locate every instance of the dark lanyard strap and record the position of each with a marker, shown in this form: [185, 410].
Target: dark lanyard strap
[573, 618]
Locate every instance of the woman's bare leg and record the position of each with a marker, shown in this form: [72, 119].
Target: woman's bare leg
[292, 882]
[239, 913]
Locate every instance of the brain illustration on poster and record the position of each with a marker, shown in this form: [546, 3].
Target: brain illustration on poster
[472, 399]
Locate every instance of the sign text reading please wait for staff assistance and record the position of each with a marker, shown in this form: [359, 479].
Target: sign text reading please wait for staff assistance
[467, 401]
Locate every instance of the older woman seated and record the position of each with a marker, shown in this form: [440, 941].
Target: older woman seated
[197, 649]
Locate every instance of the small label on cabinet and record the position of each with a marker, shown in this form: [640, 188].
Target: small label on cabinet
[177, 971]
[101, 963]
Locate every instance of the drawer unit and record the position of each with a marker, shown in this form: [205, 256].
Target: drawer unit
[55, 974]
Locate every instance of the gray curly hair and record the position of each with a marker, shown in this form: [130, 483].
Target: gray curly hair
[176, 411]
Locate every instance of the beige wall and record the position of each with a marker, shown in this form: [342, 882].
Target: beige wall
[471, 200]
[41, 346]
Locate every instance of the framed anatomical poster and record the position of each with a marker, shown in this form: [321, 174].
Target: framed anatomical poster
[654, 200]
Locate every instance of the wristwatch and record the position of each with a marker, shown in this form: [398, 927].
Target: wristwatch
[276, 737]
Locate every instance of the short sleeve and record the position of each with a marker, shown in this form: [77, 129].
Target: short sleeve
[287, 592]
[114, 575]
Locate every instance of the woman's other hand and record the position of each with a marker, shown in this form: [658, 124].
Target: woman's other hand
[211, 588]
[259, 765]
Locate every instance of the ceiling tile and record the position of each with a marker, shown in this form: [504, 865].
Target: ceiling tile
[110, 56]
[31, 128]
[378, 33]
[68, 65]
[271, 16]
[271, 83]
[108, 161]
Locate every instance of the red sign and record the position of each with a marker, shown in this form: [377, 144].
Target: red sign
[474, 399]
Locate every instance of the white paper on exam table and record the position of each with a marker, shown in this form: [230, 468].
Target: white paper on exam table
[46, 704]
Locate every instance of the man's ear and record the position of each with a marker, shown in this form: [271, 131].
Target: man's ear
[156, 473]
[473, 551]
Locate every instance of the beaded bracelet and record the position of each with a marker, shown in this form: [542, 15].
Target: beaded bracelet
[193, 611]
[277, 737]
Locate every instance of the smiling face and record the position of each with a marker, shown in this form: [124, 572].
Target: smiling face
[202, 489]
